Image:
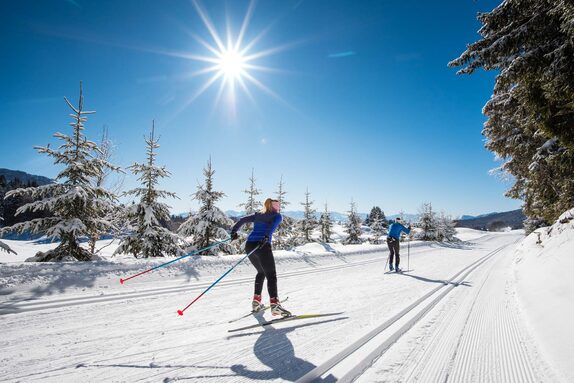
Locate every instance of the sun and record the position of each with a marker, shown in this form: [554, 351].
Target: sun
[231, 63]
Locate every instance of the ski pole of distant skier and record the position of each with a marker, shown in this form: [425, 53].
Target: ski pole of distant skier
[175, 260]
[409, 254]
[180, 312]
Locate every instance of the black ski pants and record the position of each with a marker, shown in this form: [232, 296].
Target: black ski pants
[394, 248]
[264, 262]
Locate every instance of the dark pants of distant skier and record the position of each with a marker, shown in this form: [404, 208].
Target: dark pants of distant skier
[264, 262]
[394, 248]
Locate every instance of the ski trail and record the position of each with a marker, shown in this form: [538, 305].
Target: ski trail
[475, 336]
[44, 304]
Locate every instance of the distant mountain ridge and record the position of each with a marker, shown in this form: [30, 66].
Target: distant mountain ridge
[11, 175]
[494, 221]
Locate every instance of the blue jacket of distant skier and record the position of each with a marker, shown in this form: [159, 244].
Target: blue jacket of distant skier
[395, 230]
[264, 224]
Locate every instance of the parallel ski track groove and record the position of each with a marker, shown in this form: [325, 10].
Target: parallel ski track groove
[323, 368]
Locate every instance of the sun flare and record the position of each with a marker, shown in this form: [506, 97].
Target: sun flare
[231, 63]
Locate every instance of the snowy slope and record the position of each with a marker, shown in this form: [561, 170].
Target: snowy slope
[544, 265]
[75, 322]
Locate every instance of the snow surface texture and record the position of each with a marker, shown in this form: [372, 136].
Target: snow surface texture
[451, 316]
[543, 269]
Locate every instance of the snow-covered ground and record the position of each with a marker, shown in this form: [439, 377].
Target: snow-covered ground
[453, 315]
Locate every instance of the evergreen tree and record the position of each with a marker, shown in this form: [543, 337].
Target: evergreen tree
[427, 223]
[445, 230]
[209, 224]
[252, 204]
[309, 222]
[353, 226]
[378, 225]
[377, 217]
[326, 225]
[147, 237]
[284, 237]
[75, 207]
[530, 125]
[104, 154]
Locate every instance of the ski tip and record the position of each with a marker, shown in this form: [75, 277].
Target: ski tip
[121, 281]
[179, 312]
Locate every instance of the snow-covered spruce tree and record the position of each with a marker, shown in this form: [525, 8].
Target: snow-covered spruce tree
[326, 224]
[252, 204]
[209, 224]
[378, 225]
[147, 237]
[284, 237]
[530, 125]
[445, 230]
[75, 206]
[377, 221]
[104, 153]
[427, 223]
[309, 221]
[353, 226]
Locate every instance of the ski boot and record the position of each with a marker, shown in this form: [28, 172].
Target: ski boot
[256, 304]
[391, 268]
[397, 270]
[277, 309]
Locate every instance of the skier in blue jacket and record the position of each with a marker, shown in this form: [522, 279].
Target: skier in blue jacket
[393, 241]
[259, 241]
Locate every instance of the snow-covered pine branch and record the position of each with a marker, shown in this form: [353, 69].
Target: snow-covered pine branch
[73, 205]
[6, 248]
[209, 224]
[529, 43]
[147, 237]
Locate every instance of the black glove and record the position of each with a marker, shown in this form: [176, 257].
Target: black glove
[263, 241]
[234, 236]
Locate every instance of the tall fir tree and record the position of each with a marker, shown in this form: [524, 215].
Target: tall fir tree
[252, 204]
[530, 125]
[427, 222]
[353, 225]
[74, 206]
[284, 236]
[326, 223]
[147, 236]
[378, 224]
[105, 154]
[309, 222]
[209, 224]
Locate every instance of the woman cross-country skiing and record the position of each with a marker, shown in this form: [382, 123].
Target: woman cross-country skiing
[264, 224]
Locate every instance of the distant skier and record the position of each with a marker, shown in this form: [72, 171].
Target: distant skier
[264, 224]
[393, 241]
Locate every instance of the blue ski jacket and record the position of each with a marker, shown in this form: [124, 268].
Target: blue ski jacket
[395, 230]
[264, 224]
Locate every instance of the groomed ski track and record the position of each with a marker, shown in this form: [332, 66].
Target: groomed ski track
[412, 327]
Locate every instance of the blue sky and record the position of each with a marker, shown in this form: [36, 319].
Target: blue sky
[357, 102]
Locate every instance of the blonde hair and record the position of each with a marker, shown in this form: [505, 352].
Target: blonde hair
[268, 205]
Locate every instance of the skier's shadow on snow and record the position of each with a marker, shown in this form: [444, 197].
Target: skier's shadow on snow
[440, 281]
[274, 349]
